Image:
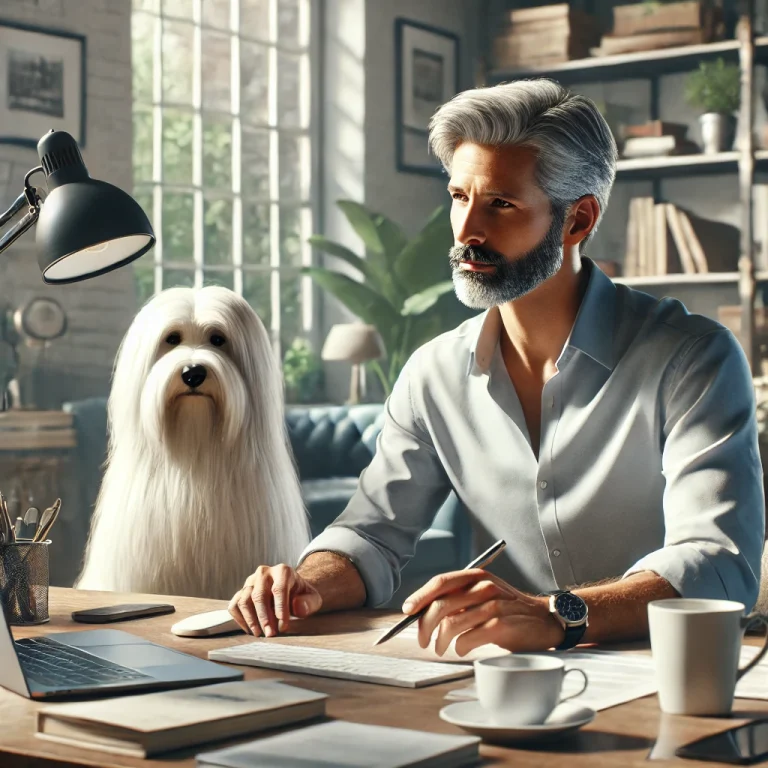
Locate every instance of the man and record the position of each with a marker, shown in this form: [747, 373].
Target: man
[608, 437]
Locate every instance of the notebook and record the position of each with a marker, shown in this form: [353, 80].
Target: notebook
[159, 722]
[341, 744]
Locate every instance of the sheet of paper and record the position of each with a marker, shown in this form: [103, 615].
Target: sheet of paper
[616, 677]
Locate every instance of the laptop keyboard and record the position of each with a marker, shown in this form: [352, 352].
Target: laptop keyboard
[48, 662]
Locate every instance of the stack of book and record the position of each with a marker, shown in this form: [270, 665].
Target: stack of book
[663, 239]
[647, 27]
[545, 35]
[656, 138]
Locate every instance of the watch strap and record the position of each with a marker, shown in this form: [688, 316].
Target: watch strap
[572, 637]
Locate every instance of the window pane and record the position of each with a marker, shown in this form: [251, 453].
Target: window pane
[288, 22]
[256, 293]
[291, 177]
[145, 5]
[216, 71]
[142, 51]
[181, 8]
[255, 172]
[217, 152]
[290, 308]
[144, 280]
[254, 81]
[178, 216]
[225, 279]
[216, 13]
[142, 145]
[177, 147]
[143, 196]
[290, 236]
[177, 61]
[254, 18]
[218, 231]
[178, 277]
[288, 93]
[255, 234]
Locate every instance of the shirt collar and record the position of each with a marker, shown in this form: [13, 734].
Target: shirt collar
[592, 331]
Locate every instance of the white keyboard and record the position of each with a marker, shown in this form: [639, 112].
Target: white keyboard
[365, 667]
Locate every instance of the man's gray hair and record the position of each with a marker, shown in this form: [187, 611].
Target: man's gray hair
[576, 150]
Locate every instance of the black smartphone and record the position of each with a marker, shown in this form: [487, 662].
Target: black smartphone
[743, 745]
[121, 612]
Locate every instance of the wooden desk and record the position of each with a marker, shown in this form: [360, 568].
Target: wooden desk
[619, 736]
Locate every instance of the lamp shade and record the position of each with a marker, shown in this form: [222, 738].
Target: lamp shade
[86, 227]
[352, 342]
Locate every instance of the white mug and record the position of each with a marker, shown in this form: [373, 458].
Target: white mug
[696, 646]
[521, 689]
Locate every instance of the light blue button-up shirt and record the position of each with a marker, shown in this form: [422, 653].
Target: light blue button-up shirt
[648, 456]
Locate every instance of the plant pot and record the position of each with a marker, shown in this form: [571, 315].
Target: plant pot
[717, 132]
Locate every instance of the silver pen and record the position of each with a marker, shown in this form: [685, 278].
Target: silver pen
[481, 561]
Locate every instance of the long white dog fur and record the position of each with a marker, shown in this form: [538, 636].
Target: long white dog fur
[199, 489]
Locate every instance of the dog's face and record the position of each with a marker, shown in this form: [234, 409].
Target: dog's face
[198, 368]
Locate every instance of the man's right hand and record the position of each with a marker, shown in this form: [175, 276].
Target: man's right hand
[270, 596]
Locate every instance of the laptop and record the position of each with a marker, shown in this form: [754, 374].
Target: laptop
[98, 661]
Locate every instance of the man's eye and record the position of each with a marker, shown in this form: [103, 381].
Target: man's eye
[173, 339]
[458, 196]
[502, 203]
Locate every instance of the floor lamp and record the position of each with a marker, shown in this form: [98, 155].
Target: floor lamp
[354, 343]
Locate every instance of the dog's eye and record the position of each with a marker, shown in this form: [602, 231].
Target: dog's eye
[173, 338]
[218, 340]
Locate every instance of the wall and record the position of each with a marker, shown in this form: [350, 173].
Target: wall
[99, 310]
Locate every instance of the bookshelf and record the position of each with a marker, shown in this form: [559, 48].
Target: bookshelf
[748, 51]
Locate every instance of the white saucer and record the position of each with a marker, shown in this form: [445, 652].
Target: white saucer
[470, 716]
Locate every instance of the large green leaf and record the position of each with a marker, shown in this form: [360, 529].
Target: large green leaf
[342, 252]
[392, 238]
[363, 222]
[420, 302]
[360, 300]
[424, 261]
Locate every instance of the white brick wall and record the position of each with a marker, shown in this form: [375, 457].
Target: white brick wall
[100, 309]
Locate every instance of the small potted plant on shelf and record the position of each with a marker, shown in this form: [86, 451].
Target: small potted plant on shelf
[715, 88]
[302, 373]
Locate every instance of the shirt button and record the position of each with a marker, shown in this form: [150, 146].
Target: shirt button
[556, 552]
[543, 484]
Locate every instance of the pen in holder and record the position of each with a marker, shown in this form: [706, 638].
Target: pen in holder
[24, 580]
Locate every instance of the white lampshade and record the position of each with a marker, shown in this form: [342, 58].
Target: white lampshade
[353, 343]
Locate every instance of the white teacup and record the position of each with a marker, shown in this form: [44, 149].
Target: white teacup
[521, 689]
[695, 646]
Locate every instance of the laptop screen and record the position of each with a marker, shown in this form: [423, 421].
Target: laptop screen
[11, 675]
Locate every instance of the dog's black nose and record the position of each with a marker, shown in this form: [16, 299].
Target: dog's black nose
[193, 375]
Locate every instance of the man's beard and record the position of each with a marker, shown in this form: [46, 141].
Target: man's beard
[511, 279]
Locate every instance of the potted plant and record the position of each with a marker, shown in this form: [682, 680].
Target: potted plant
[302, 373]
[715, 88]
[404, 288]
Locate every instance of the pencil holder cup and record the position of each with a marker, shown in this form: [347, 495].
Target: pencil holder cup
[24, 580]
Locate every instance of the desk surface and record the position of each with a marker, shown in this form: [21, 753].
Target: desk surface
[622, 735]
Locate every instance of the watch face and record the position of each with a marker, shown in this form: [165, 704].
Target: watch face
[571, 607]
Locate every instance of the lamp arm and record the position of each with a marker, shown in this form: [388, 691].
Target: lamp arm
[30, 198]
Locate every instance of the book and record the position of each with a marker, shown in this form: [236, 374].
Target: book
[352, 745]
[614, 44]
[658, 146]
[687, 264]
[638, 17]
[654, 128]
[520, 50]
[152, 723]
[544, 13]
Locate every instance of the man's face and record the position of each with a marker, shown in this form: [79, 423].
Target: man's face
[507, 238]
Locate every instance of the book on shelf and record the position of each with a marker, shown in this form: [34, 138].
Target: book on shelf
[354, 745]
[658, 146]
[638, 18]
[654, 129]
[547, 14]
[612, 45]
[153, 723]
[664, 239]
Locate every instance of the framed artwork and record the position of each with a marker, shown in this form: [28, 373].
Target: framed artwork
[427, 75]
[42, 83]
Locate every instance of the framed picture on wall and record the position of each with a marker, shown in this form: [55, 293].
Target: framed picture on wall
[42, 83]
[426, 76]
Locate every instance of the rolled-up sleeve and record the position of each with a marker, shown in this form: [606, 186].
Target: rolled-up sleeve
[714, 508]
[397, 498]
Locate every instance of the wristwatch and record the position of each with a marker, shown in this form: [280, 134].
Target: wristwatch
[572, 613]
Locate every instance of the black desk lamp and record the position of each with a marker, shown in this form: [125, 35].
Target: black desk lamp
[85, 227]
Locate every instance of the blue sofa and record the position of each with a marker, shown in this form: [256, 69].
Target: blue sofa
[331, 446]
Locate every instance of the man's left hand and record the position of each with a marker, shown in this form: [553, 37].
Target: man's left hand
[477, 608]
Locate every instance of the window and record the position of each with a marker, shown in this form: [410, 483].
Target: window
[222, 151]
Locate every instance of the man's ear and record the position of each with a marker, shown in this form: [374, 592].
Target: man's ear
[581, 219]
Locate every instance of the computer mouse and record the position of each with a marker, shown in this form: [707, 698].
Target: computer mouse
[206, 624]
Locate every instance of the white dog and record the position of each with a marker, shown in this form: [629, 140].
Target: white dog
[200, 486]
